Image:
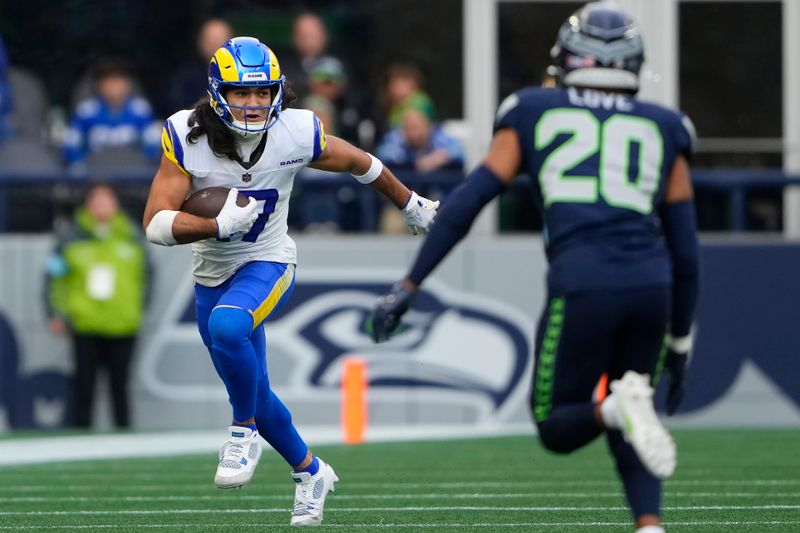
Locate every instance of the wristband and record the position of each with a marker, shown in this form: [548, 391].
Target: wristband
[679, 344]
[372, 174]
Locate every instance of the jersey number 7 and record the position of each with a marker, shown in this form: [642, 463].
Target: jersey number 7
[270, 198]
[613, 140]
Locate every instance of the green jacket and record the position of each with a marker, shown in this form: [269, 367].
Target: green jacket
[98, 277]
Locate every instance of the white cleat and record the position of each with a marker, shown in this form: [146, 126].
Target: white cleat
[309, 495]
[238, 458]
[641, 427]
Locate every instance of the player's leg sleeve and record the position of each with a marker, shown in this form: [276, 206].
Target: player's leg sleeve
[275, 424]
[454, 220]
[235, 358]
[680, 230]
[642, 489]
[273, 419]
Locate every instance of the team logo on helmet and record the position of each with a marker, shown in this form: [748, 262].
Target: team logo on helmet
[245, 62]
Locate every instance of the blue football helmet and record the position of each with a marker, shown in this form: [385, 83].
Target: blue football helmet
[599, 46]
[245, 62]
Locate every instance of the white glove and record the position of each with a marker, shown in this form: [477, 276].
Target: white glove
[233, 220]
[419, 213]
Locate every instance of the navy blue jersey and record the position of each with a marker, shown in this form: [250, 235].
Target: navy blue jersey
[599, 162]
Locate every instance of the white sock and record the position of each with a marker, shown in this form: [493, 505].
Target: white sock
[608, 410]
[650, 529]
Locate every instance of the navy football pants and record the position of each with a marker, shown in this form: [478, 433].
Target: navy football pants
[580, 337]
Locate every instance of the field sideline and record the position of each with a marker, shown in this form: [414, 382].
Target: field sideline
[727, 480]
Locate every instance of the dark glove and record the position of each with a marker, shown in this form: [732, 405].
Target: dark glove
[389, 308]
[675, 365]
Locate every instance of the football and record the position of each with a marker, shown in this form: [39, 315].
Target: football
[208, 202]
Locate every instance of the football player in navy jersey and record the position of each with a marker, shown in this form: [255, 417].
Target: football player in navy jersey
[612, 180]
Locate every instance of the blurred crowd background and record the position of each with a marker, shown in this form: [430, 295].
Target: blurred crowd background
[86, 84]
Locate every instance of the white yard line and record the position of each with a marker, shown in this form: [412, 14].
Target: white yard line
[382, 525]
[404, 509]
[84, 447]
[206, 484]
[409, 496]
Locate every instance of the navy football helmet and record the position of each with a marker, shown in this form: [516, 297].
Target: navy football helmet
[599, 46]
[245, 62]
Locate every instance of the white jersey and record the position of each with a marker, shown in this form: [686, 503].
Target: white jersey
[296, 139]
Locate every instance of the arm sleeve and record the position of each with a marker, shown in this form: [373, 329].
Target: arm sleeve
[680, 231]
[455, 220]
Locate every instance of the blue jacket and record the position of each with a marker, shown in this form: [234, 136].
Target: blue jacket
[95, 126]
[395, 150]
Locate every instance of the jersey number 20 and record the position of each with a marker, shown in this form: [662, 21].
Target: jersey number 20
[612, 139]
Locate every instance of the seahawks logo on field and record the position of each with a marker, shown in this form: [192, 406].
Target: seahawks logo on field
[463, 355]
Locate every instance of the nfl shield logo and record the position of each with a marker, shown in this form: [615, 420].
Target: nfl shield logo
[247, 177]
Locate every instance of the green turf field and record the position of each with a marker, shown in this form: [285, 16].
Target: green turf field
[726, 481]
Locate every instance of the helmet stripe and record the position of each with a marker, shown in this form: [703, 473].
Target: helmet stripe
[226, 64]
[274, 67]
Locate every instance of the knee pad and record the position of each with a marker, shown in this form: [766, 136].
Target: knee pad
[230, 325]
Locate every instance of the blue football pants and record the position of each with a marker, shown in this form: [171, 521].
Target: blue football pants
[230, 318]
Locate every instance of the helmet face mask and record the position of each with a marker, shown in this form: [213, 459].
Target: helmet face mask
[245, 62]
[599, 46]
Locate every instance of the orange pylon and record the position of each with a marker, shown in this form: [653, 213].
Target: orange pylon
[354, 399]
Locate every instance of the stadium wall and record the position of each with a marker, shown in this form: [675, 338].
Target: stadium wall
[464, 358]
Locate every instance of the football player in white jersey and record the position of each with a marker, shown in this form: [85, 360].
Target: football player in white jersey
[246, 139]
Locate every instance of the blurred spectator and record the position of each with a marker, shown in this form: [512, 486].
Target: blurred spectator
[420, 144]
[6, 108]
[187, 84]
[98, 277]
[325, 83]
[310, 40]
[329, 100]
[112, 118]
[403, 91]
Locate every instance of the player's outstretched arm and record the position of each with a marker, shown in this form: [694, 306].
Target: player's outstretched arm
[341, 156]
[499, 168]
[680, 231]
[166, 225]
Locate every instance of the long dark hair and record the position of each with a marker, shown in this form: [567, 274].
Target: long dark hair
[221, 140]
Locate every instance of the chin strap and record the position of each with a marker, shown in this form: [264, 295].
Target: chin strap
[241, 128]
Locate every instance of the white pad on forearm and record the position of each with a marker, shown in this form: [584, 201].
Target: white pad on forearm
[372, 174]
[159, 231]
[680, 344]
